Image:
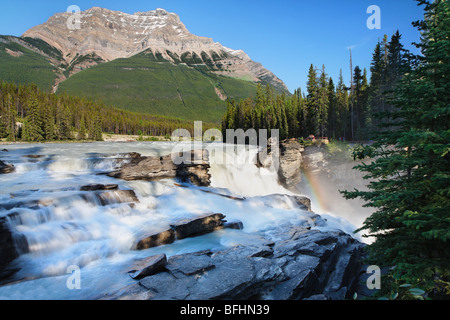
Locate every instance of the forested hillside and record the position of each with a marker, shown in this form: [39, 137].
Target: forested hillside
[328, 108]
[147, 83]
[29, 114]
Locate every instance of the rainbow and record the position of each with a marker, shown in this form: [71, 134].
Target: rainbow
[315, 189]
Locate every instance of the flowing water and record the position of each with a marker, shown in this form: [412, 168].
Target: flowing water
[66, 227]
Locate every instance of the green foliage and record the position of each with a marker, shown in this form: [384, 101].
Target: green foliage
[339, 150]
[46, 117]
[409, 171]
[146, 83]
[25, 68]
[265, 111]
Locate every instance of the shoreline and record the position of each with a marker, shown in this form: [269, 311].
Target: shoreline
[107, 137]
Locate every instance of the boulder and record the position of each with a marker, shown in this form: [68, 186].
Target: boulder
[301, 201]
[95, 187]
[155, 240]
[34, 156]
[6, 167]
[299, 264]
[235, 224]
[148, 266]
[197, 226]
[184, 229]
[8, 250]
[193, 169]
[117, 196]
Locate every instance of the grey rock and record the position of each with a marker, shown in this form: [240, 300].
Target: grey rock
[164, 286]
[155, 240]
[198, 226]
[302, 264]
[95, 187]
[181, 230]
[8, 251]
[193, 168]
[191, 264]
[117, 196]
[238, 225]
[6, 167]
[289, 161]
[148, 266]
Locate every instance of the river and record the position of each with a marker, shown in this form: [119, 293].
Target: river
[70, 230]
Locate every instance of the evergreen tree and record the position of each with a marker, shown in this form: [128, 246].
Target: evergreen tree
[97, 134]
[47, 120]
[333, 114]
[82, 129]
[65, 124]
[322, 102]
[32, 127]
[259, 107]
[410, 168]
[342, 107]
[376, 98]
[312, 103]
[397, 63]
[359, 100]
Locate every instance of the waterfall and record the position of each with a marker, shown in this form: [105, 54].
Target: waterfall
[56, 225]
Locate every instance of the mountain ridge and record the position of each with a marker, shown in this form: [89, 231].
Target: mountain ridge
[113, 34]
[168, 70]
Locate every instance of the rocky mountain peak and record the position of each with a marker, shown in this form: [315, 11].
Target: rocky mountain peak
[110, 35]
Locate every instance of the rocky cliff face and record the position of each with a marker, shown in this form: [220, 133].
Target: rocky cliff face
[109, 35]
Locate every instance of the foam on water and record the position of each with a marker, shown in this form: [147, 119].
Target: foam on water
[65, 226]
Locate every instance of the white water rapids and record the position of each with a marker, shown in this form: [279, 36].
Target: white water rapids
[71, 230]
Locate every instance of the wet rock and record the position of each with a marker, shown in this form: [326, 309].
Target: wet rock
[34, 156]
[103, 198]
[303, 202]
[289, 160]
[290, 163]
[95, 187]
[236, 224]
[184, 229]
[6, 167]
[8, 250]
[117, 196]
[198, 226]
[155, 240]
[190, 167]
[148, 266]
[191, 264]
[303, 264]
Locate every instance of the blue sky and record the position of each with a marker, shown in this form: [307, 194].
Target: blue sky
[286, 36]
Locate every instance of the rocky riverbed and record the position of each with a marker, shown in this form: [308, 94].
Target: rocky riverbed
[298, 263]
[295, 256]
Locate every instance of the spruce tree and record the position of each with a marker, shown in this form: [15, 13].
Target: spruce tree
[410, 169]
[333, 115]
[32, 127]
[322, 103]
[82, 129]
[342, 106]
[312, 109]
[376, 98]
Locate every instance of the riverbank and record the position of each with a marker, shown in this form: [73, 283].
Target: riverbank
[107, 137]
